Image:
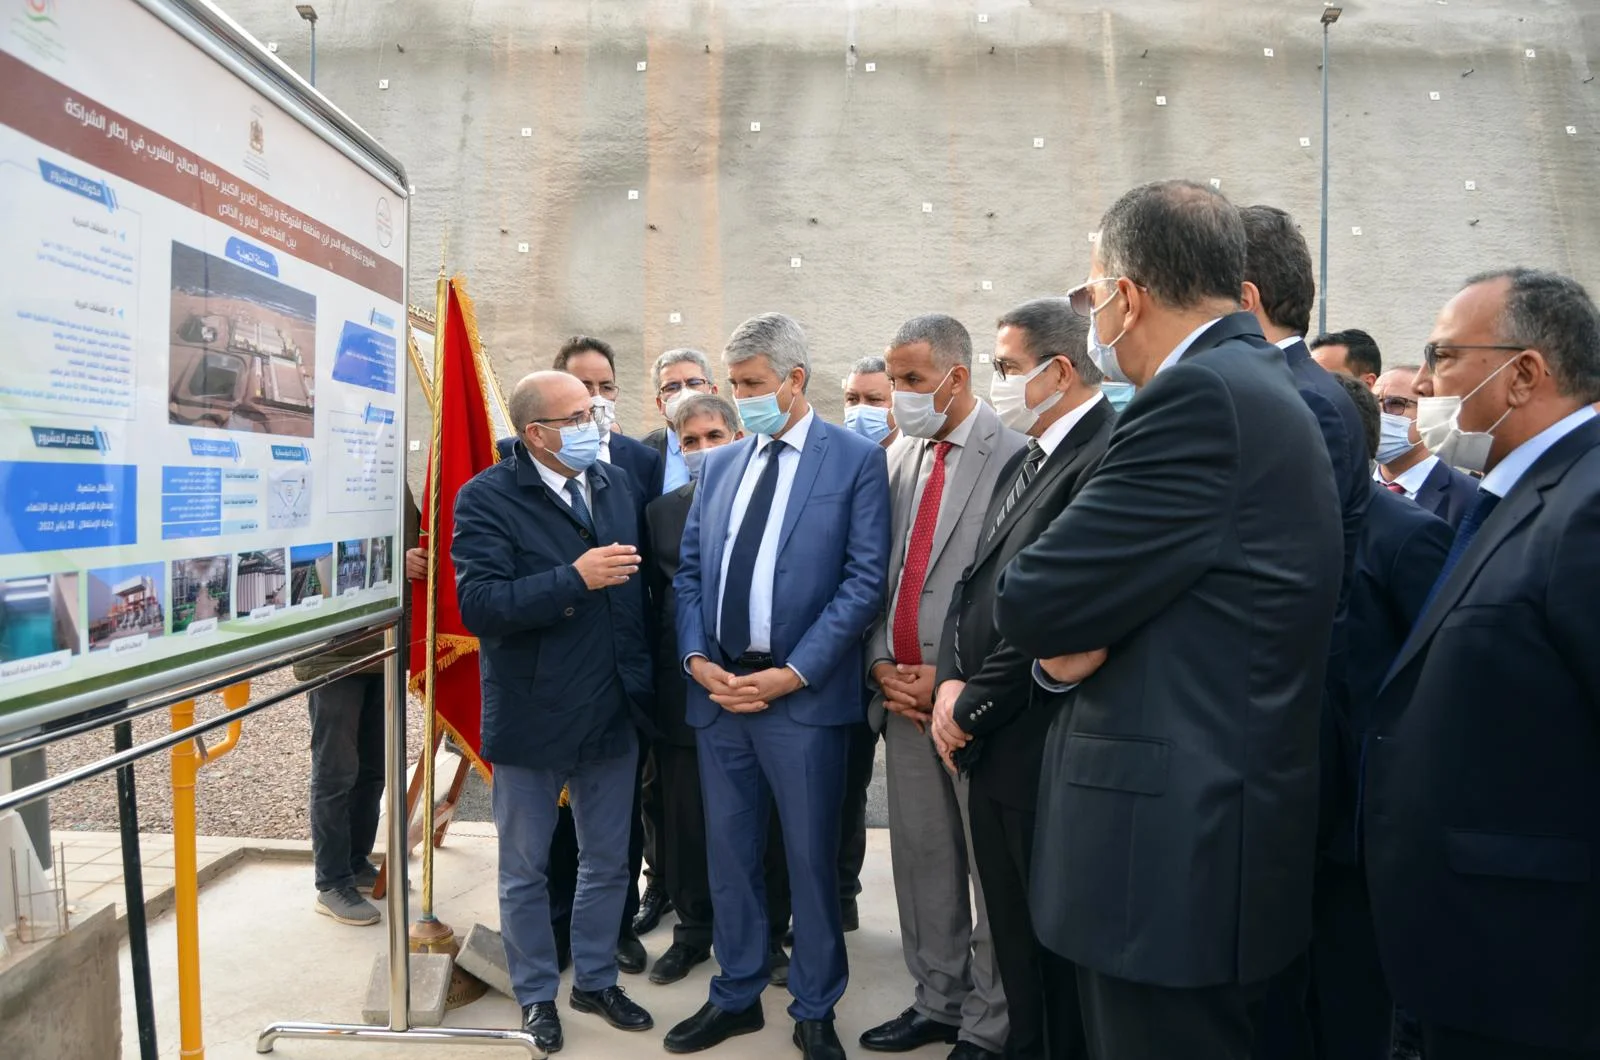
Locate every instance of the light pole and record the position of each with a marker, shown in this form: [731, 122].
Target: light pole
[1330, 15]
[309, 13]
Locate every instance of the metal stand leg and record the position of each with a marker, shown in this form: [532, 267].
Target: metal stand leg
[399, 1029]
[133, 878]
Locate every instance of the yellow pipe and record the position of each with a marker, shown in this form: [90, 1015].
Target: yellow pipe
[187, 759]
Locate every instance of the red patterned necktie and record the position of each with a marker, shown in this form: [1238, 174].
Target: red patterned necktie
[907, 641]
[1395, 487]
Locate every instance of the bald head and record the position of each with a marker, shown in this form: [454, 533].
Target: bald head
[546, 396]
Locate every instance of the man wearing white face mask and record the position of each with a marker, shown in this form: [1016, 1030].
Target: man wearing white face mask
[675, 375]
[1404, 464]
[941, 472]
[1482, 800]
[989, 719]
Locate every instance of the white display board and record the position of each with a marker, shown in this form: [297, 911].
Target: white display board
[202, 362]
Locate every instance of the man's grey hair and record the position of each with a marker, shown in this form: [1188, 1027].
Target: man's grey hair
[945, 336]
[774, 336]
[1054, 330]
[698, 404]
[865, 366]
[1553, 314]
[1183, 242]
[679, 356]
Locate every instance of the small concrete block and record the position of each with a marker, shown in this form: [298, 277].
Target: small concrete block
[430, 984]
[483, 954]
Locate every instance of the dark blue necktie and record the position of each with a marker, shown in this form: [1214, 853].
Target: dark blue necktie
[579, 508]
[1464, 534]
[734, 629]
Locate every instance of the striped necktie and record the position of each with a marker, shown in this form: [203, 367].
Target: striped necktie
[1030, 467]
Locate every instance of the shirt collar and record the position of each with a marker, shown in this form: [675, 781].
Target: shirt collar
[1183, 347]
[960, 432]
[673, 446]
[1057, 432]
[554, 479]
[1412, 478]
[1516, 463]
[796, 436]
[1290, 342]
[605, 446]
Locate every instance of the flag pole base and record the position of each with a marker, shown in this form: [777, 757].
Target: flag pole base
[429, 935]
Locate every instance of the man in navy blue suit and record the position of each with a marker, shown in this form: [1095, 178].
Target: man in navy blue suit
[1405, 466]
[782, 571]
[1482, 806]
[546, 553]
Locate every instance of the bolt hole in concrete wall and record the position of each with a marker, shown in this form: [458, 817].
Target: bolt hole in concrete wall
[527, 124]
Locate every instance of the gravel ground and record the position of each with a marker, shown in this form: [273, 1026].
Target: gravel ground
[259, 790]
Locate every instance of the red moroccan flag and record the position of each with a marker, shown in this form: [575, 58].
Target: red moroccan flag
[466, 447]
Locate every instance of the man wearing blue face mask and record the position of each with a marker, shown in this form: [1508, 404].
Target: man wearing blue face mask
[1405, 466]
[566, 676]
[867, 397]
[781, 573]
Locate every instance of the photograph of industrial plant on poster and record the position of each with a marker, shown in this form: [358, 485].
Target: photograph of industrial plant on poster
[242, 346]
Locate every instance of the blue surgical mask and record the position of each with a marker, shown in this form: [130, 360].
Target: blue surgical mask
[1104, 354]
[694, 462]
[761, 415]
[869, 421]
[580, 446]
[1119, 394]
[1394, 439]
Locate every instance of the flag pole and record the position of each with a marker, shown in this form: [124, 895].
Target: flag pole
[429, 935]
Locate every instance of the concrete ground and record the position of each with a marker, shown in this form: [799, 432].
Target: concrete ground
[266, 956]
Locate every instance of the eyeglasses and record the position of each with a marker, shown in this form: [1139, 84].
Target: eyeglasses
[580, 419]
[669, 389]
[609, 390]
[1397, 406]
[1430, 352]
[1081, 297]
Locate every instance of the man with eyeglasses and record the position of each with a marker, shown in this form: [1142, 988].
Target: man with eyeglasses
[1186, 598]
[675, 375]
[1405, 466]
[546, 557]
[1481, 814]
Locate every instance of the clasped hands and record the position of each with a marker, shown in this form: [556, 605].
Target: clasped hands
[743, 693]
[907, 690]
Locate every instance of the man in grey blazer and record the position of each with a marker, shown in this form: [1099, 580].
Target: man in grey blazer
[941, 474]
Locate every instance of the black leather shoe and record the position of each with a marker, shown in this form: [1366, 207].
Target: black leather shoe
[907, 1031]
[631, 957]
[712, 1026]
[778, 966]
[613, 1006]
[676, 962]
[971, 1051]
[653, 905]
[849, 914]
[816, 1040]
[541, 1020]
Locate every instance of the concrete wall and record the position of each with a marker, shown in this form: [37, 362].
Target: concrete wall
[845, 158]
[61, 1000]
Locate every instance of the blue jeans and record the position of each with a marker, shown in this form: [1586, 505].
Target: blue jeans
[526, 802]
[346, 776]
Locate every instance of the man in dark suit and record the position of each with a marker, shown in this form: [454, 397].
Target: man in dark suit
[1405, 466]
[704, 422]
[675, 375]
[1279, 290]
[1402, 549]
[1178, 799]
[560, 622]
[782, 571]
[1482, 807]
[990, 719]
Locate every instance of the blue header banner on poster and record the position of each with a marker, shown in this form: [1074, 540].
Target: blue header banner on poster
[366, 358]
[258, 259]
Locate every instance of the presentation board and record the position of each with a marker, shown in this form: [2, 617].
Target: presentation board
[202, 319]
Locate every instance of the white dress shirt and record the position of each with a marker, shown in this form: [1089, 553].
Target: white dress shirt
[1516, 463]
[1183, 347]
[558, 483]
[605, 446]
[676, 472]
[1284, 344]
[1057, 432]
[1412, 478]
[790, 446]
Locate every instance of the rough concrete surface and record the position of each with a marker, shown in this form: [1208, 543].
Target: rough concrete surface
[845, 159]
[59, 999]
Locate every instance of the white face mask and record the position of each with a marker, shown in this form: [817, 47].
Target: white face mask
[1009, 396]
[1104, 354]
[1439, 424]
[674, 403]
[914, 413]
[605, 413]
[1394, 441]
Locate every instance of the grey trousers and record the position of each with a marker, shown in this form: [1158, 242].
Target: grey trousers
[943, 926]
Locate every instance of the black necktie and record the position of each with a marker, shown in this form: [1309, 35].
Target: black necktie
[1030, 467]
[734, 628]
[1464, 534]
[579, 508]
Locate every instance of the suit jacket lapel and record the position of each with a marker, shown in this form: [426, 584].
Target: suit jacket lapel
[964, 482]
[718, 512]
[1055, 465]
[804, 477]
[1433, 486]
[903, 454]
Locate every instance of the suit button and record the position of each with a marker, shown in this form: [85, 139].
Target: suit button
[583, 534]
[569, 612]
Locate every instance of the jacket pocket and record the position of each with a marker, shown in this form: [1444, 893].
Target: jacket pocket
[1552, 859]
[1119, 763]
